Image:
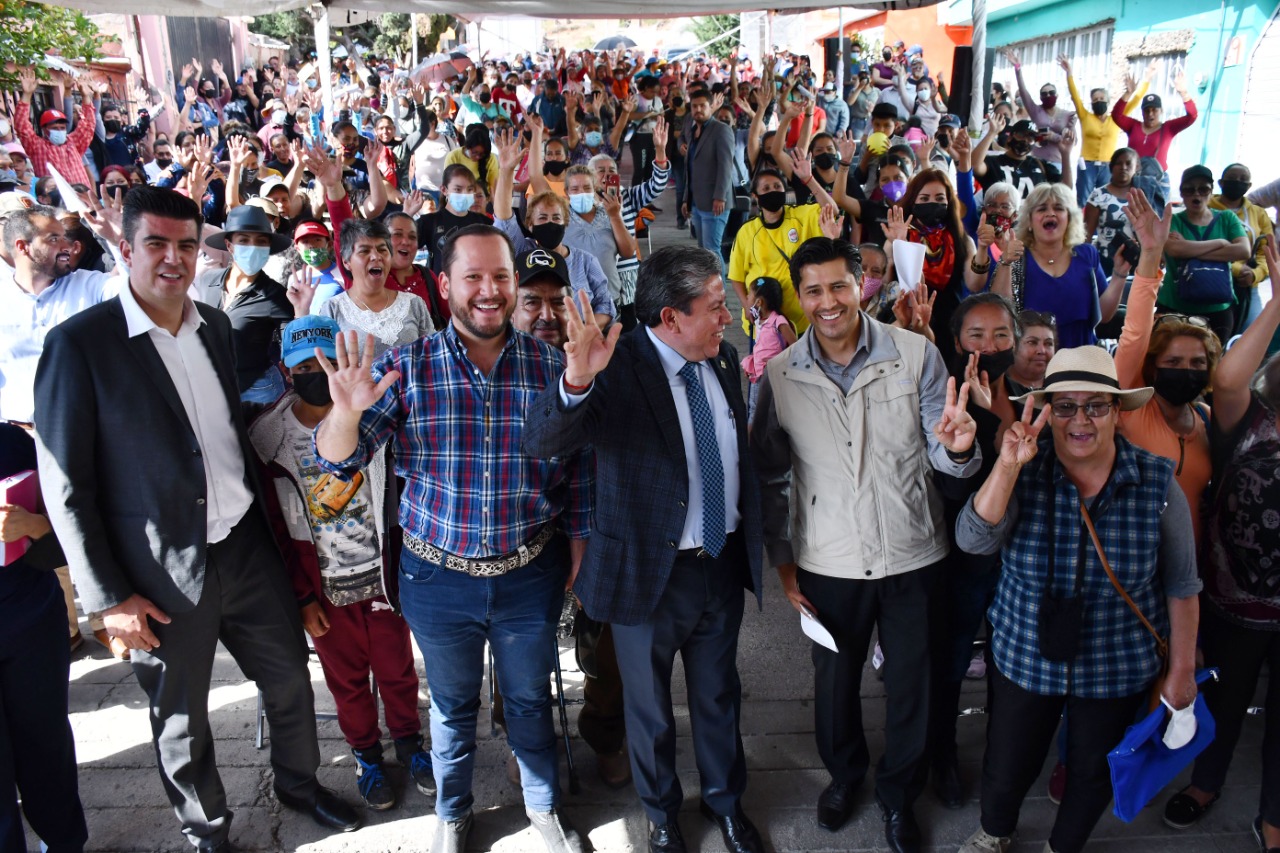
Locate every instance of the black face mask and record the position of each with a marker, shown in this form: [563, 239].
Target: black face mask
[1234, 190]
[554, 167]
[116, 190]
[944, 139]
[888, 54]
[313, 388]
[1021, 147]
[772, 202]
[930, 213]
[826, 161]
[994, 364]
[677, 102]
[485, 97]
[1099, 108]
[112, 126]
[164, 162]
[1179, 385]
[548, 235]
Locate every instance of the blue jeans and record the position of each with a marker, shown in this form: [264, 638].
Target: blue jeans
[267, 388]
[452, 615]
[710, 230]
[858, 126]
[1090, 174]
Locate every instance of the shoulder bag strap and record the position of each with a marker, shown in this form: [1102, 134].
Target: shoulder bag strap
[1018, 279]
[1162, 645]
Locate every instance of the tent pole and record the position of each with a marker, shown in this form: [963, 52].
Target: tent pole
[840, 53]
[324, 61]
[978, 97]
[413, 36]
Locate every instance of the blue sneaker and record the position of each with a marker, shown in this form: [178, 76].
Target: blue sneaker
[417, 760]
[371, 779]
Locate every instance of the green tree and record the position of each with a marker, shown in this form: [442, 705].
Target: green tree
[708, 27]
[28, 31]
[294, 27]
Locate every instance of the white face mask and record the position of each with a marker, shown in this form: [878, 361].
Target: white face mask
[250, 259]
[5, 127]
[278, 117]
[582, 202]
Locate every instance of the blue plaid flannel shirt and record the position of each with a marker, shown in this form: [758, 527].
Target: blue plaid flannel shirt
[470, 489]
[1117, 654]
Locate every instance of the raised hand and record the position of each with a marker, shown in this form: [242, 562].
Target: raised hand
[238, 149]
[896, 228]
[956, 429]
[611, 198]
[1011, 247]
[189, 95]
[1151, 230]
[1012, 56]
[106, 220]
[660, 131]
[507, 147]
[986, 234]
[351, 382]
[533, 122]
[188, 71]
[629, 105]
[1018, 446]
[373, 150]
[1130, 84]
[830, 221]
[195, 63]
[302, 290]
[921, 301]
[27, 78]
[328, 170]
[588, 350]
[1180, 84]
[998, 122]
[1064, 63]
[413, 203]
[216, 67]
[801, 166]
[978, 381]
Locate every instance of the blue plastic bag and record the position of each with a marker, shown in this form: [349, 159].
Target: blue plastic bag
[1141, 766]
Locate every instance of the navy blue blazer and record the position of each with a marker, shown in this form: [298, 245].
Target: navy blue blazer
[642, 481]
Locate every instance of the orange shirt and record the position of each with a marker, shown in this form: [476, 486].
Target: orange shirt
[1146, 427]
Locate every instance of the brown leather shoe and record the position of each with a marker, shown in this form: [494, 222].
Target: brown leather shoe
[77, 640]
[114, 644]
[614, 768]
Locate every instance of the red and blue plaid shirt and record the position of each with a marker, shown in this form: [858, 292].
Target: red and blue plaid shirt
[470, 489]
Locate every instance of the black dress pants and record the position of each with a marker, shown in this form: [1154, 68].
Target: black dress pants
[850, 609]
[248, 604]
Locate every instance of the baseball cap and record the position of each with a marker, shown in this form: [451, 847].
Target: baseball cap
[302, 337]
[271, 183]
[829, 87]
[899, 43]
[949, 120]
[539, 262]
[1152, 100]
[50, 116]
[1026, 126]
[915, 50]
[14, 201]
[1197, 171]
[311, 228]
[266, 205]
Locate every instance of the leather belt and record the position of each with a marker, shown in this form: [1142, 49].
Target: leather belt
[490, 568]
[694, 554]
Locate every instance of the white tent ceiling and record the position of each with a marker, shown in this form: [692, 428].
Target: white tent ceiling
[472, 9]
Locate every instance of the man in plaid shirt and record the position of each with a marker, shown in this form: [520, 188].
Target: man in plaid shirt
[55, 146]
[483, 557]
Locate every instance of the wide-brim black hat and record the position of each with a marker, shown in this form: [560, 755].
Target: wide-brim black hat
[248, 219]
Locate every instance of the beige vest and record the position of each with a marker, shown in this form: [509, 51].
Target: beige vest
[864, 502]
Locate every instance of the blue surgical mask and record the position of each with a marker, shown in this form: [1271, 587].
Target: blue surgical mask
[594, 138]
[461, 202]
[250, 259]
[582, 202]
[58, 137]
[8, 176]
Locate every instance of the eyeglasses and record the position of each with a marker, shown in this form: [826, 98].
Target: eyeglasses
[1200, 190]
[1189, 319]
[1003, 209]
[1066, 409]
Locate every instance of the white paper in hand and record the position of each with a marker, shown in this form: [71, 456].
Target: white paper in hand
[71, 200]
[908, 262]
[1182, 725]
[816, 631]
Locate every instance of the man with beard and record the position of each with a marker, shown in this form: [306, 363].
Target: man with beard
[485, 559]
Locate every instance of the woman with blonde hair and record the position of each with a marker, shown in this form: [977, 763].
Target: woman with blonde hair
[1048, 266]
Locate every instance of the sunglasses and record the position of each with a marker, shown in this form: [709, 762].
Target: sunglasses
[1189, 319]
[1198, 190]
[1066, 409]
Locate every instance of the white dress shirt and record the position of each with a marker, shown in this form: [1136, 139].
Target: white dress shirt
[726, 437]
[25, 320]
[196, 380]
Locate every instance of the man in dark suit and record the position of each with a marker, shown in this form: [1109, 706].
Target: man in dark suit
[676, 534]
[142, 453]
[709, 186]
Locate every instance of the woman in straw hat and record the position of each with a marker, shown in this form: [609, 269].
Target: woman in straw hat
[1063, 638]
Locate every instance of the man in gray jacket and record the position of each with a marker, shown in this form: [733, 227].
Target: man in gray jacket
[709, 186]
[834, 421]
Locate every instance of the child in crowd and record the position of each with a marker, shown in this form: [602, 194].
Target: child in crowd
[771, 333]
[337, 538]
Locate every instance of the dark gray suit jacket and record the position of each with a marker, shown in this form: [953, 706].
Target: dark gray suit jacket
[642, 479]
[120, 466]
[710, 165]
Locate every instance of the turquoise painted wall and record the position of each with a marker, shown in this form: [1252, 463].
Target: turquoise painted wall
[1220, 101]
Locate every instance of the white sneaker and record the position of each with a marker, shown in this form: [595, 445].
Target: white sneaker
[877, 657]
[981, 842]
[977, 667]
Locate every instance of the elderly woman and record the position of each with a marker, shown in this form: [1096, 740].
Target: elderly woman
[1240, 628]
[1062, 636]
[1048, 266]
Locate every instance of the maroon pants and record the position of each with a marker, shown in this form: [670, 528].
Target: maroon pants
[361, 639]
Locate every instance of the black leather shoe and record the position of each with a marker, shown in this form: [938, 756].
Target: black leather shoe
[946, 784]
[224, 847]
[901, 832]
[739, 834]
[666, 839]
[325, 807]
[835, 806]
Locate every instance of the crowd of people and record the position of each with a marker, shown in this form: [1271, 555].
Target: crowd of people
[397, 370]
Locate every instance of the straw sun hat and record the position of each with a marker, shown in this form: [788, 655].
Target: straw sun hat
[1087, 368]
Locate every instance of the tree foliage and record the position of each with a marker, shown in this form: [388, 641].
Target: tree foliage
[387, 35]
[708, 27]
[294, 27]
[28, 31]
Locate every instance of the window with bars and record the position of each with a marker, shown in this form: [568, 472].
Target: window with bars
[1165, 68]
[1089, 51]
